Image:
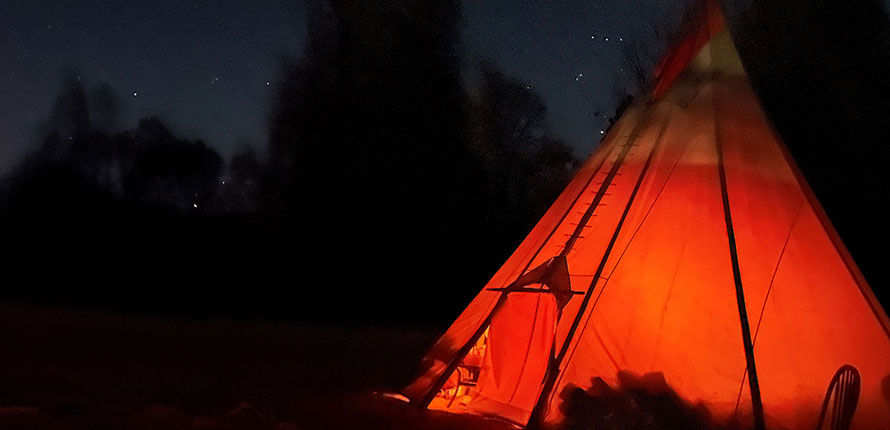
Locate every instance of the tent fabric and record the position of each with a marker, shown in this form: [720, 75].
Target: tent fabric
[665, 301]
[520, 339]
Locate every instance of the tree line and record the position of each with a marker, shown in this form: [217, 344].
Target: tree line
[386, 183]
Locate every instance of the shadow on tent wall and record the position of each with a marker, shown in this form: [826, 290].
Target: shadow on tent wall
[648, 403]
[638, 403]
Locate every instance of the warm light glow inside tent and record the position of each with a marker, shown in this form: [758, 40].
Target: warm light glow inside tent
[687, 239]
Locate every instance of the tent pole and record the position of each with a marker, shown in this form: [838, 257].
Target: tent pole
[536, 420]
[753, 382]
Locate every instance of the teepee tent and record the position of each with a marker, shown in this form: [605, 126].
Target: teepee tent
[688, 246]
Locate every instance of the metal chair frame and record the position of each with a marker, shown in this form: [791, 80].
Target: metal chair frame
[845, 385]
[470, 381]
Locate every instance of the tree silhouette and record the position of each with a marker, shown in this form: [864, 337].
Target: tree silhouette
[168, 171]
[241, 192]
[383, 184]
[526, 166]
[70, 116]
[368, 147]
[104, 109]
[99, 216]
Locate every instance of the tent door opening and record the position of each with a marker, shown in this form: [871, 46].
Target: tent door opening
[503, 371]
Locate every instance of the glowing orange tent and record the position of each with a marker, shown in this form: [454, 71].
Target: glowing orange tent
[688, 245]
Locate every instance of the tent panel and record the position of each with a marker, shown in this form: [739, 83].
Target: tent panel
[635, 123]
[669, 306]
[794, 276]
[683, 125]
[815, 321]
[588, 251]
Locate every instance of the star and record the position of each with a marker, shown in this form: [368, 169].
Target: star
[135, 93]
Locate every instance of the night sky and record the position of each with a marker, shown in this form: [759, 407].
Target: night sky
[209, 68]
[205, 67]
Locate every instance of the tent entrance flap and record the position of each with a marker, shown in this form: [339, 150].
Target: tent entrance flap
[460, 385]
[501, 375]
[550, 278]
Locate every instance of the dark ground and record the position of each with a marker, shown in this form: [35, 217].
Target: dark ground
[66, 369]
